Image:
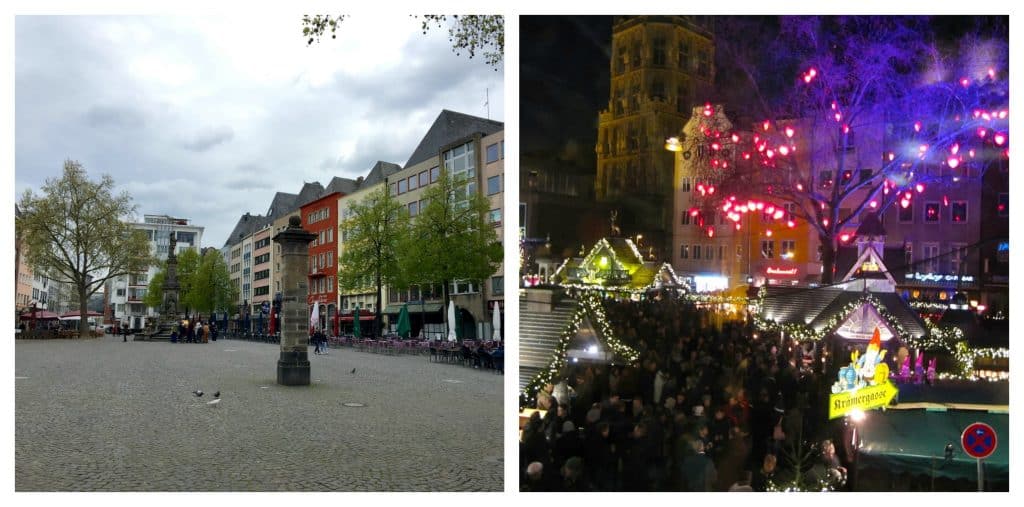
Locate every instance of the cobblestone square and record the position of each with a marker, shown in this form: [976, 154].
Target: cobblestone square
[102, 415]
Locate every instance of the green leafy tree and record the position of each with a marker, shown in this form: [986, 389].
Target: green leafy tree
[211, 286]
[77, 232]
[155, 290]
[472, 34]
[205, 283]
[373, 235]
[451, 239]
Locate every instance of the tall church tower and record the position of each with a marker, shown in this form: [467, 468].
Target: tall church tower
[660, 67]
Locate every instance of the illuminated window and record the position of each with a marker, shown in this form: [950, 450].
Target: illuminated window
[768, 249]
[787, 248]
[931, 212]
[958, 212]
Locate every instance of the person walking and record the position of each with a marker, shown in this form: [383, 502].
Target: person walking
[124, 331]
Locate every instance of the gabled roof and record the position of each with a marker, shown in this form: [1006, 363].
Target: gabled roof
[448, 128]
[343, 185]
[281, 204]
[309, 193]
[380, 171]
[246, 225]
[814, 308]
[893, 257]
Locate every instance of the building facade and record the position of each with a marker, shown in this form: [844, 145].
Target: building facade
[661, 66]
[126, 293]
[320, 217]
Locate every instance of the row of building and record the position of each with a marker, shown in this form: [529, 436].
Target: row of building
[459, 143]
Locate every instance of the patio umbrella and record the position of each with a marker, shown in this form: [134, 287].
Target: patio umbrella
[451, 321]
[404, 326]
[314, 319]
[496, 323]
[355, 327]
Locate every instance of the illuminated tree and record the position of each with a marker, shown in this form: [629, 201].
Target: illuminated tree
[934, 112]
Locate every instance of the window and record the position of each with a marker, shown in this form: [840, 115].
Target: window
[709, 252]
[721, 252]
[261, 291]
[658, 56]
[260, 259]
[658, 89]
[787, 248]
[908, 256]
[497, 284]
[330, 235]
[493, 185]
[1003, 207]
[402, 186]
[684, 184]
[459, 161]
[864, 175]
[958, 212]
[684, 251]
[412, 182]
[768, 249]
[931, 212]
[767, 218]
[956, 257]
[846, 177]
[825, 179]
[424, 179]
[790, 210]
[263, 243]
[492, 153]
[394, 192]
[494, 217]
[435, 172]
[682, 99]
[120, 292]
[704, 63]
[906, 215]
[414, 208]
[931, 258]
[684, 56]
[696, 252]
[686, 218]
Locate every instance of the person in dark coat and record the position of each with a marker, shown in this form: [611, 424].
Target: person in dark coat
[699, 472]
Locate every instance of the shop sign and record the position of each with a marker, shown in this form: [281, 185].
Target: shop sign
[938, 277]
[865, 398]
[781, 271]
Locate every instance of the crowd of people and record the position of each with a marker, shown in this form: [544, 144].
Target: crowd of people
[194, 331]
[709, 406]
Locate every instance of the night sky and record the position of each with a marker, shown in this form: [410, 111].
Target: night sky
[564, 74]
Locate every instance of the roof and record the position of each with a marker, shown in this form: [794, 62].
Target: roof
[281, 204]
[246, 225]
[309, 193]
[378, 172]
[342, 185]
[448, 128]
[893, 257]
[815, 307]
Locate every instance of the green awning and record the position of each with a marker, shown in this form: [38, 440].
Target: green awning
[908, 440]
[414, 308]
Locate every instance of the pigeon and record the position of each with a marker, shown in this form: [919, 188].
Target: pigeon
[198, 392]
[213, 402]
[353, 371]
[216, 394]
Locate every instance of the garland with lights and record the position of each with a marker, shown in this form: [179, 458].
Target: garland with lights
[588, 305]
[943, 338]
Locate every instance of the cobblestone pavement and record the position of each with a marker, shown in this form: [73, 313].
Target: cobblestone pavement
[102, 415]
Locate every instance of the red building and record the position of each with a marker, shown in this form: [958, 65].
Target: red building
[320, 217]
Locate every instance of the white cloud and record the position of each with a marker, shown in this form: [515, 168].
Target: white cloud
[207, 117]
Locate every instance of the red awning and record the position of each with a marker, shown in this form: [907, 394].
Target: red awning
[348, 318]
[40, 315]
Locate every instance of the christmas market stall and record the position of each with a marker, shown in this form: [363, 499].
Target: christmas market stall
[615, 268]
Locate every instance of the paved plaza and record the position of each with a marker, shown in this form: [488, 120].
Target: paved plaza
[102, 415]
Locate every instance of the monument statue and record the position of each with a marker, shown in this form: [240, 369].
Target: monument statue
[293, 362]
[168, 320]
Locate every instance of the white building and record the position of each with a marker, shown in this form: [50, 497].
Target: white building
[127, 292]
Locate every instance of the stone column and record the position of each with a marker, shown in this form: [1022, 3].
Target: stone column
[293, 363]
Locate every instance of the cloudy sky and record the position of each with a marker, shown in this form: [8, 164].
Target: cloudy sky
[205, 118]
